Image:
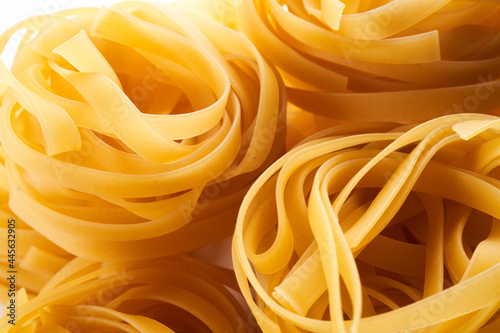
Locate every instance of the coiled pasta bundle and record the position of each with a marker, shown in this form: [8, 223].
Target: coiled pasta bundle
[401, 60]
[175, 294]
[374, 227]
[134, 131]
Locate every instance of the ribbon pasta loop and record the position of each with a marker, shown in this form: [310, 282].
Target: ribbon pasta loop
[368, 231]
[405, 61]
[133, 131]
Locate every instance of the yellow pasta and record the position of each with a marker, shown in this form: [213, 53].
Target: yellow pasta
[133, 131]
[374, 227]
[32, 256]
[178, 294]
[133, 134]
[402, 60]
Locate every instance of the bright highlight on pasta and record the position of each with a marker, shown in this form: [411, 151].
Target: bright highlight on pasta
[178, 294]
[132, 131]
[374, 227]
[401, 60]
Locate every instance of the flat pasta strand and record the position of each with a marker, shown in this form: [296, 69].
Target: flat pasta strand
[404, 61]
[162, 295]
[133, 131]
[383, 240]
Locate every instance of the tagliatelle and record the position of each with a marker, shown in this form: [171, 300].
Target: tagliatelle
[164, 295]
[373, 227]
[34, 257]
[133, 131]
[403, 60]
[132, 134]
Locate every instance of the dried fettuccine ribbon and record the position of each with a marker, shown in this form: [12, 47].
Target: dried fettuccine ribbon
[373, 227]
[178, 294]
[133, 131]
[399, 60]
[28, 253]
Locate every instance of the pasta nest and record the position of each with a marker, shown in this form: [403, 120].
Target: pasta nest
[403, 61]
[175, 294]
[374, 227]
[133, 132]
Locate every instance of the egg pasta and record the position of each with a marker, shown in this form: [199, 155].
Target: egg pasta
[34, 257]
[133, 131]
[374, 227]
[401, 60]
[172, 294]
